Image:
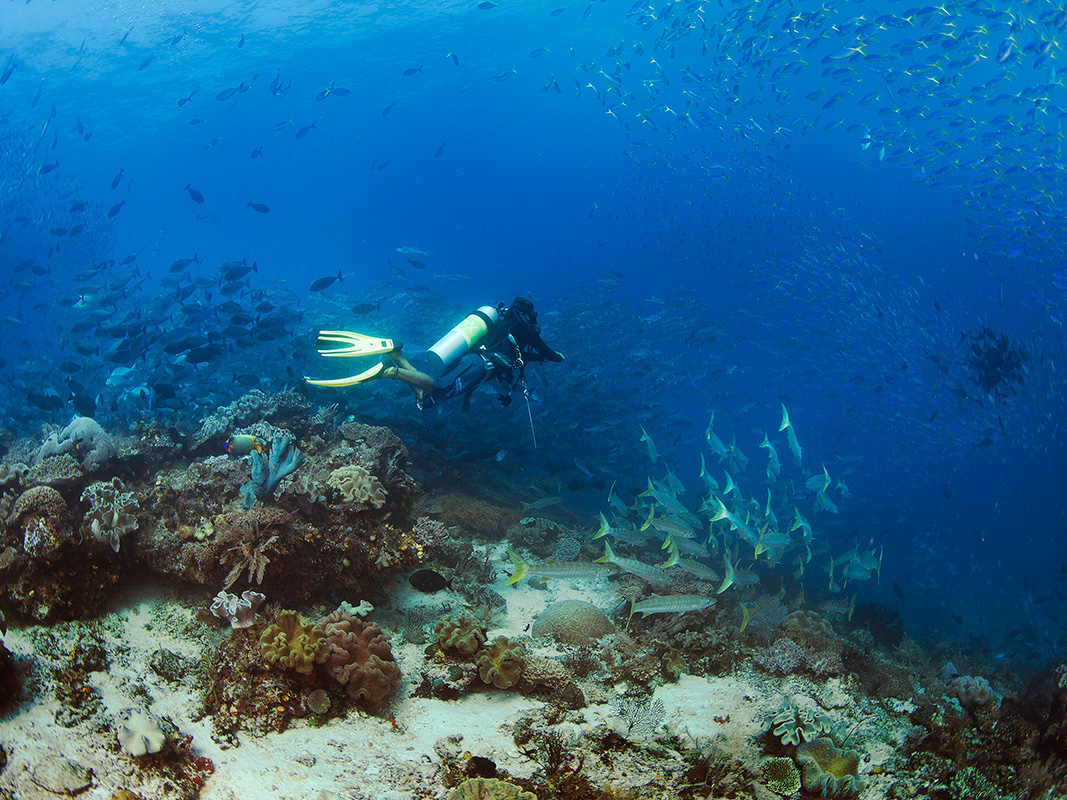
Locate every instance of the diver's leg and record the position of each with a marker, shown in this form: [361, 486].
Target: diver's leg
[419, 382]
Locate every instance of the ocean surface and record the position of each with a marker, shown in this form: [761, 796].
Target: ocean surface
[854, 211]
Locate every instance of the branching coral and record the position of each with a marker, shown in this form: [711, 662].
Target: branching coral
[501, 663]
[292, 642]
[267, 471]
[357, 485]
[112, 512]
[357, 655]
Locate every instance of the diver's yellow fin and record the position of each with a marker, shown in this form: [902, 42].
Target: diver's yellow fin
[357, 344]
[336, 383]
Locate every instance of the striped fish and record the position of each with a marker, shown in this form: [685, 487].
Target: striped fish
[647, 572]
[553, 569]
[670, 604]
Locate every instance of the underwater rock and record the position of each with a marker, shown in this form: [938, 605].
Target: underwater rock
[292, 642]
[61, 776]
[829, 770]
[282, 408]
[84, 439]
[382, 453]
[501, 663]
[357, 485]
[358, 656]
[573, 622]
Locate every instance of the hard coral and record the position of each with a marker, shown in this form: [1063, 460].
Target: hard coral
[42, 502]
[463, 634]
[973, 691]
[357, 655]
[781, 775]
[573, 622]
[292, 642]
[358, 485]
[501, 663]
[829, 770]
[84, 439]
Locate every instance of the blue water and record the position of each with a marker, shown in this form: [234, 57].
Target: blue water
[704, 235]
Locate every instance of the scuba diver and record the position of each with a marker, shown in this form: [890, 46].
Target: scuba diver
[491, 342]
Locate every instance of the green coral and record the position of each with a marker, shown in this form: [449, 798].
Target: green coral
[463, 634]
[489, 789]
[292, 642]
[501, 663]
[829, 770]
[781, 775]
[357, 484]
[792, 725]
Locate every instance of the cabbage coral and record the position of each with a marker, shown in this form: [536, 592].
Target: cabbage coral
[292, 642]
[358, 485]
[829, 770]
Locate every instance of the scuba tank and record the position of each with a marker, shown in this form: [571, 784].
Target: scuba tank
[459, 341]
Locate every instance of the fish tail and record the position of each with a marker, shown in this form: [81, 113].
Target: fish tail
[744, 618]
[604, 529]
[520, 568]
[608, 557]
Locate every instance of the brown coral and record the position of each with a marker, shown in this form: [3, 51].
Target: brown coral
[357, 485]
[42, 502]
[358, 656]
[464, 634]
[292, 642]
[501, 663]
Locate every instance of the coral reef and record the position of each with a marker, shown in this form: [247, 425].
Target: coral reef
[793, 725]
[973, 691]
[357, 485]
[48, 570]
[292, 642]
[357, 655]
[268, 471]
[84, 439]
[573, 622]
[283, 407]
[112, 512]
[489, 789]
[463, 634]
[781, 775]
[501, 663]
[240, 612]
[829, 770]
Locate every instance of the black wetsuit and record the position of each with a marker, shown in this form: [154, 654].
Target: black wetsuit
[503, 356]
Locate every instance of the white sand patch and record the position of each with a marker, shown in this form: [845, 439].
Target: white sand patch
[357, 757]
